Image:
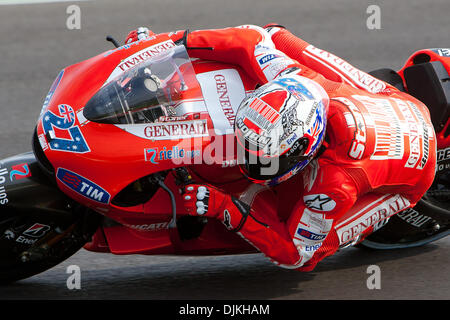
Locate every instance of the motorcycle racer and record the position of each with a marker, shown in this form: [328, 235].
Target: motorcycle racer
[365, 150]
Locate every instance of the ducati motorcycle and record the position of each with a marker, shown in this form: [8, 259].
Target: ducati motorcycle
[119, 134]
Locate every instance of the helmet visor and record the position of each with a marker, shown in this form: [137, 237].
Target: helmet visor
[264, 168]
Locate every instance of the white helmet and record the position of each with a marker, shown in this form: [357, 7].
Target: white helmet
[280, 127]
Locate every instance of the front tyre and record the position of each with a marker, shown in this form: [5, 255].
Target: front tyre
[30, 245]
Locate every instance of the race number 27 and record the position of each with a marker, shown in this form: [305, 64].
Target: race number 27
[64, 122]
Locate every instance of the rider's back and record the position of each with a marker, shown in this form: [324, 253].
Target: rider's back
[382, 137]
[385, 142]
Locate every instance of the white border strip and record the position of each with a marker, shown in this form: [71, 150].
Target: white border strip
[19, 2]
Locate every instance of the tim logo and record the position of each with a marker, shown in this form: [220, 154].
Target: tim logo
[83, 186]
[19, 171]
[310, 235]
[37, 230]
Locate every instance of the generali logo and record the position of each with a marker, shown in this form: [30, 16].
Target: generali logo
[370, 217]
[358, 77]
[140, 57]
[169, 130]
[224, 98]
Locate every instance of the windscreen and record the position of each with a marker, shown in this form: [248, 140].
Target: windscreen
[145, 92]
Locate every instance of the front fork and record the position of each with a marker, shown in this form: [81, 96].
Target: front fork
[34, 213]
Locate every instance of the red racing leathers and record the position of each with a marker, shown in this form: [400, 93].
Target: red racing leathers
[379, 158]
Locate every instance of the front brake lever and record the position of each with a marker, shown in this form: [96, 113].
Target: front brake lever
[182, 176]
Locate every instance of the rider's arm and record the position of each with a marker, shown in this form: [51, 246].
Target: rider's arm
[330, 195]
[267, 54]
[308, 234]
[248, 46]
[329, 65]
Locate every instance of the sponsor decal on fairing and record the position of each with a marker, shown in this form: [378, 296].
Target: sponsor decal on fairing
[19, 171]
[413, 217]
[3, 194]
[149, 227]
[313, 248]
[61, 131]
[37, 230]
[222, 88]
[139, 57]
[168, 130]
[443, 154]
[229, 163]
[83, 186]
[33, 234]
[171, 118]
[154, 155]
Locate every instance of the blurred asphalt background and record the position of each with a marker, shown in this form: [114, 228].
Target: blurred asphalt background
[36, 45]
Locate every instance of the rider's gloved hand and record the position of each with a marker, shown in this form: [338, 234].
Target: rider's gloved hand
[208, 201]
[204, 200]
[273, 25]
[273, 28]
[138, 34]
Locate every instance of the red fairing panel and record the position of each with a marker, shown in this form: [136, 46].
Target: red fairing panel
[93, 162]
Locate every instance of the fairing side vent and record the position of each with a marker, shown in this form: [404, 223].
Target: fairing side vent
[138, 192]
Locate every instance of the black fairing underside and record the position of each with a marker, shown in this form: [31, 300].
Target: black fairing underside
[26, 190]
